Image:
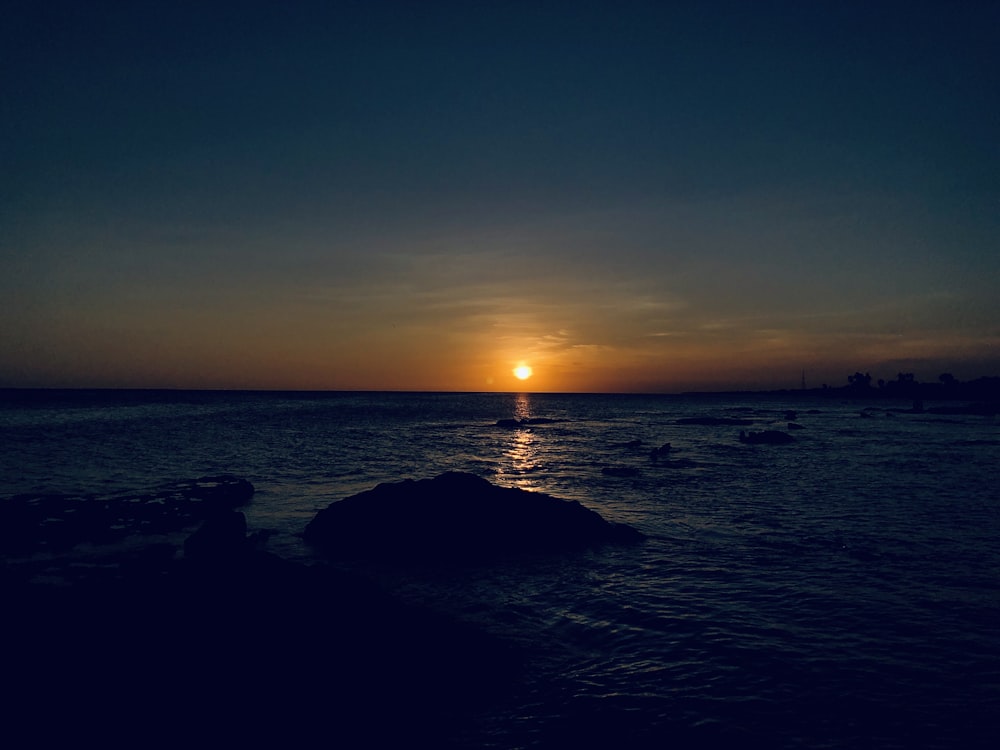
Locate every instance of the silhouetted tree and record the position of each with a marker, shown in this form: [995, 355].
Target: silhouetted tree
[859, 381]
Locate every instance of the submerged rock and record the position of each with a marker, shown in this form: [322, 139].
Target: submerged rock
[458, 515]
[661, 452]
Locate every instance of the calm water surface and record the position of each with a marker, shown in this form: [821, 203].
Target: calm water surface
[841, 591]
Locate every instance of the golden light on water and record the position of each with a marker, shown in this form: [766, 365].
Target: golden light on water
[522, 372]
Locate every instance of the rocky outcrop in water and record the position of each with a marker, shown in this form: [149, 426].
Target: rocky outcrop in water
[458, 516]
[55, 523]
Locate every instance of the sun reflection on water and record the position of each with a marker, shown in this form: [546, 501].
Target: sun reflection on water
[521, 451]
[522, 406]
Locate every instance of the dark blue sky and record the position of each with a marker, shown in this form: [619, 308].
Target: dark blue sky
[627, 196]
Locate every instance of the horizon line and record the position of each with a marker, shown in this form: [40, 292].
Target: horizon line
[179, 389]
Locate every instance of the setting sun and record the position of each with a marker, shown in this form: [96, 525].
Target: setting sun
[522, 372]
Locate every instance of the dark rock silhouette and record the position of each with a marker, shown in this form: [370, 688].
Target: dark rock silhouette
[662, 452]
[766, 437]
[457, 516]
[241, 652]
[230, 642]
[55, 523]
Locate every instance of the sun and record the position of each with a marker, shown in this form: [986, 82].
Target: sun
[522, 372]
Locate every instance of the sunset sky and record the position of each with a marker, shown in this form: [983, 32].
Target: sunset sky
[623, 196]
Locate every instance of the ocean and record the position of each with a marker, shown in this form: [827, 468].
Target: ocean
[842, 590]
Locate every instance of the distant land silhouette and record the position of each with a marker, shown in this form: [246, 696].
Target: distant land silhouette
[985, 390]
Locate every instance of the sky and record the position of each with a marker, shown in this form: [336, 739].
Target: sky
[623, 196]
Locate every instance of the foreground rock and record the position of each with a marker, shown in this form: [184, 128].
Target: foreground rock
[228, 645]
[458, 516]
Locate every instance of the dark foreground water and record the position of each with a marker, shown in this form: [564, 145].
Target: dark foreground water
[839, 591]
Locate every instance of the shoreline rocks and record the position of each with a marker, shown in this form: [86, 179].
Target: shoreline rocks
[56, 523]
[261, 646]
[233, 643]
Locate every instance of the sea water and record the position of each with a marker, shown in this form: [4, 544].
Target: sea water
[839, 591]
